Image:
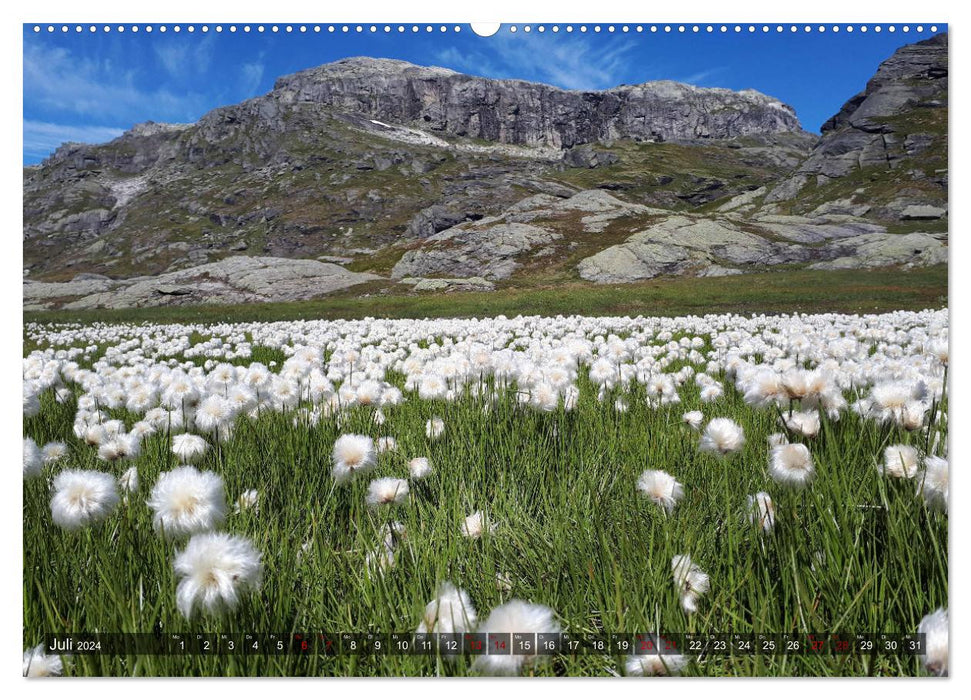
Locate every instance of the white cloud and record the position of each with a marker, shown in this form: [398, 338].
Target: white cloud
[55, 80]
[574, 63]
[42, 138]
[701, 76]
[251, 74]
[188, 56]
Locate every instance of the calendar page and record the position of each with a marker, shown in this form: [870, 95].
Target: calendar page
[524, 349]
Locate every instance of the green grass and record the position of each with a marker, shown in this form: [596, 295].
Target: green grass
[573, 534]
[810, 291]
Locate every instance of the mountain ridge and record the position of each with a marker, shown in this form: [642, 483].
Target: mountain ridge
[339, 164]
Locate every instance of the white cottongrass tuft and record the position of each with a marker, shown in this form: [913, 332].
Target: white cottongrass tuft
[434, 428]
[387, 491]
[476, 525]
[33, 460]
[216, 569]
[451, 612]
[690, 580]
[935, 627]
[214, 414]
[54, 452]
[655, 665]
[791, 465]
[122, 446]
[934, 483]
[188, 447]
[187, 501]
[761, 511]
[805, 423]
[387, 444]
[899, 461]
[694, 419]
[419, 467]
[38, 664]
[514, 616]
[661, 488]
[353, 454]
[722, 436]
[248, 500]
[128, 482]
[83, 497]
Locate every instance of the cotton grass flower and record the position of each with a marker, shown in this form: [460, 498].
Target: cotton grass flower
[38, 664]
[381, 559]
[711, 393]
[722, 437]
[248, 500]
[451, 612]
[128, 482]
[661, 488]
[899, 461]
[215, 570]
[186, 501]
[188, 447]
[387, 491]
[693, 419]
[514, 616]
[935, 628]
[419, 467]
[690, 581]
[655, 664]
[119, 447]
[804, 423]
[933, 484]
[386, 444]
[791, 465]
[761, 511]
[54, 452]
[83, 497]
[33, 459]
[476, 525]
[213, 414]
[434, 428]
[352, 454]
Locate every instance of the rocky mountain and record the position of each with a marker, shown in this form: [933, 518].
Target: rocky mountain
[885, 152]
[387, 175]
[518, 112]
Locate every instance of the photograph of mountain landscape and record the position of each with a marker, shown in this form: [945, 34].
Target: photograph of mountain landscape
[378, 351]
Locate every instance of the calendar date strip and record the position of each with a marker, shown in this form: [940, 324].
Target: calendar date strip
[375, 644]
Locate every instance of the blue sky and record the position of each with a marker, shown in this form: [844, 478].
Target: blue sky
[91, 86]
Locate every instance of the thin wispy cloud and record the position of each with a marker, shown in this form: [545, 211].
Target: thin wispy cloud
[42, 138]
[251, 75]
[57, 80]
[701, 76]
[190, 55]
[573, 63]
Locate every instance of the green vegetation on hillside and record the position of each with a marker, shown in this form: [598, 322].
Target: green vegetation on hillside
[788, 291]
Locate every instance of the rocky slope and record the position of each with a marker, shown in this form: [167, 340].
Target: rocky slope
[426, 179]
[518, 112]
[232, 280]
[885, 152]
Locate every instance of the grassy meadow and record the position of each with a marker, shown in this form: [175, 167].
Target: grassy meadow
[855, 551]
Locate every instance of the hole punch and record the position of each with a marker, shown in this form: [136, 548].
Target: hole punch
[485, 29]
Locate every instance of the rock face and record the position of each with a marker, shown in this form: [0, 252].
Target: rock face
[230, 281]
[495, 247]
[514, 111]
[897, 123]
[707, 247]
